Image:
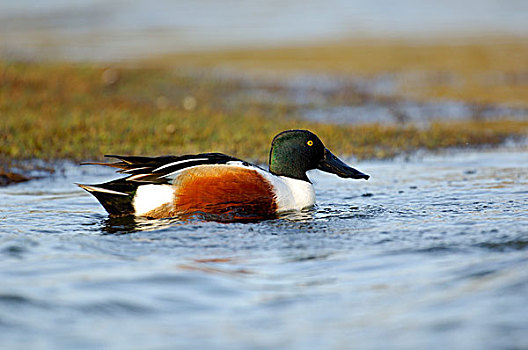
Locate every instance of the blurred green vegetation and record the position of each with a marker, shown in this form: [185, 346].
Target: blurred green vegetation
[79, 112]
[479, 69]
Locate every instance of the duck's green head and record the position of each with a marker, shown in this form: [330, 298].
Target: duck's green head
[294, 152]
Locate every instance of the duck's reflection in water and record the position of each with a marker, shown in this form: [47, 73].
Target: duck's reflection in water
[131, 224]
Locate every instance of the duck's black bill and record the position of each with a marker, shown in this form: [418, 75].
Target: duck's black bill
[332, 164]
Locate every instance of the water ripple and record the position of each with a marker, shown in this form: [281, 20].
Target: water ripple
[429, 250]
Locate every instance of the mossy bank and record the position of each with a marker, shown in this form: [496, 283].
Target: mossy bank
[75, 111]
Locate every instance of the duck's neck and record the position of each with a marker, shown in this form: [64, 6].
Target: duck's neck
[296, 194]
[288, 170]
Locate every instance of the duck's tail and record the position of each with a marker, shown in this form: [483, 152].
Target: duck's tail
[115, 196]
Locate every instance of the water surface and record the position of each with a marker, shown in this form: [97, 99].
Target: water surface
[432, 252]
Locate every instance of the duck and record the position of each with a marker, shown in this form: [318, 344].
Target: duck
[218, 185]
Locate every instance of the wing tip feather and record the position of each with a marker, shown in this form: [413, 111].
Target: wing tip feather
[90, 188]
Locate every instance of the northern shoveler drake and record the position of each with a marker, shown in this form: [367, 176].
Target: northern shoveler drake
[220, 185]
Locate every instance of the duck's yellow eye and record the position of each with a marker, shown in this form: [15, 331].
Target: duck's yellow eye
[309, 143]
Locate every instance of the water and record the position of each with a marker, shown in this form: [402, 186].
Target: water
[432, 252]
[116, 29]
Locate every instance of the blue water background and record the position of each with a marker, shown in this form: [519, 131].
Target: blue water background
[432, 252]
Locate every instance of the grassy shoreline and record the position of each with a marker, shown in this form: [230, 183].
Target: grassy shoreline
[82, 111]
[480, 70]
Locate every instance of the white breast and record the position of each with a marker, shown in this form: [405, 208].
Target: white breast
[292, 194]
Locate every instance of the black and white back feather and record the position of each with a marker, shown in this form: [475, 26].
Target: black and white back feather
[161, 170]
[117, 196]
